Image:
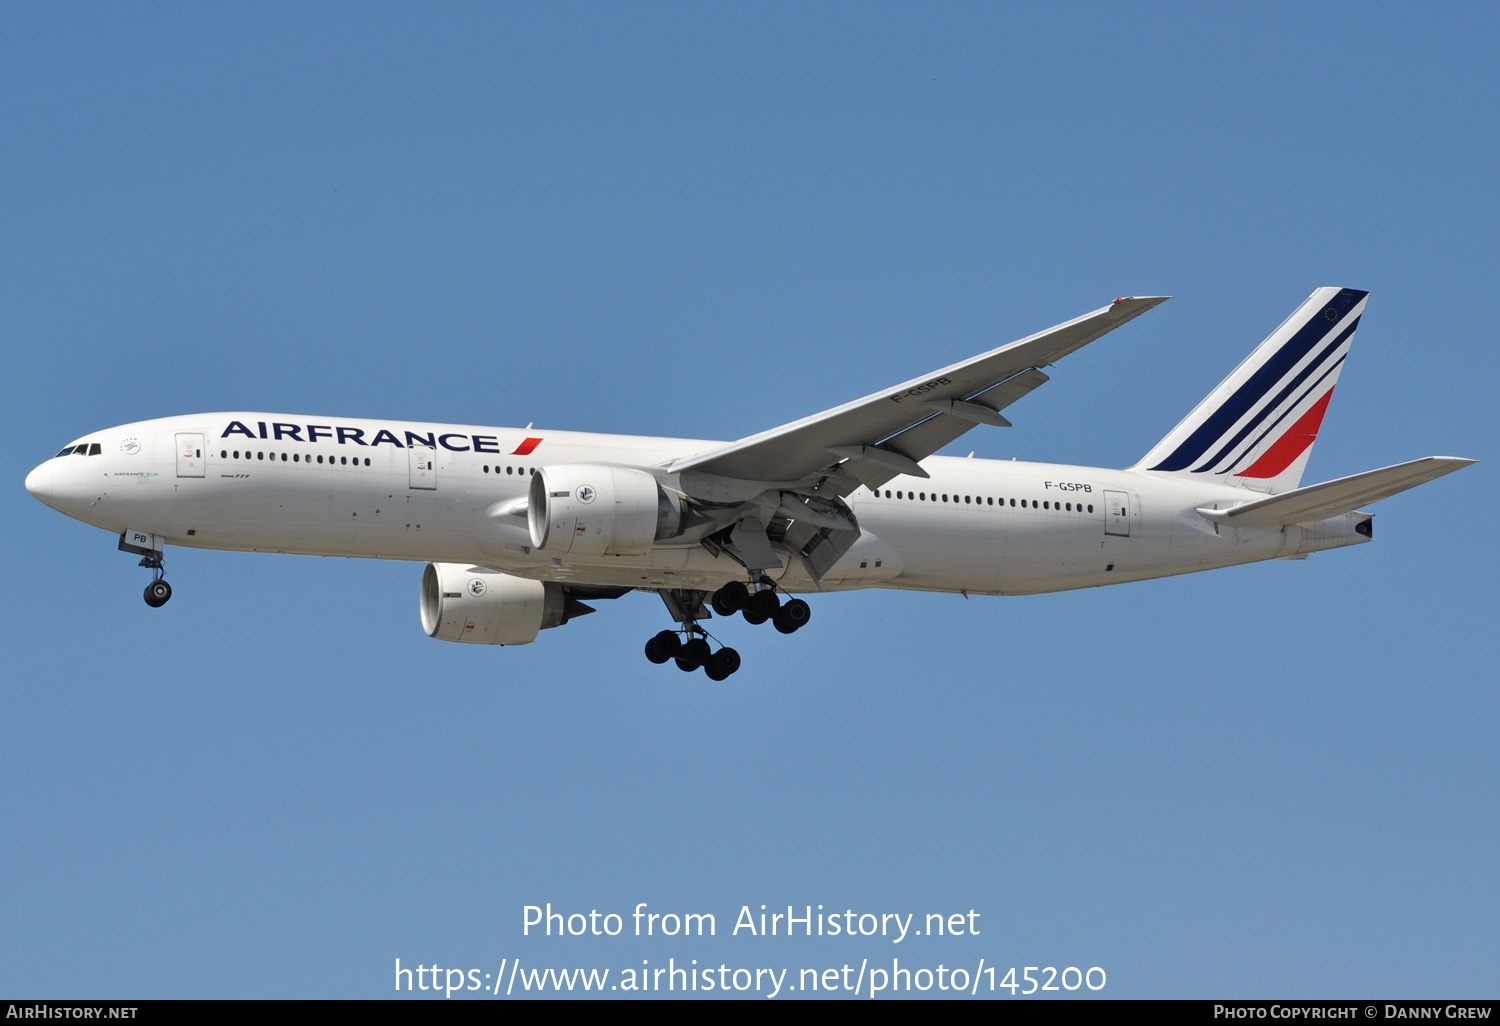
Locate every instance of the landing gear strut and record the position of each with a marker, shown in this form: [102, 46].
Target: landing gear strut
[158, 591]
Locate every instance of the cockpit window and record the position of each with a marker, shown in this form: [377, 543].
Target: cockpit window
[81, 449]
[95, 449]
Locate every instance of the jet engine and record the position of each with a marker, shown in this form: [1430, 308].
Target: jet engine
[585, 509]
[485, 607]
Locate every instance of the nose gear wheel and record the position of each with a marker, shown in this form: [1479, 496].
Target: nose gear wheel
[158, 591]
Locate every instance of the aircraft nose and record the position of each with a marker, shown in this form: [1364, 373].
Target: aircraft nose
[39, 483]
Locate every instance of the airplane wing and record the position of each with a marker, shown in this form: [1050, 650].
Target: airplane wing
[872, 440]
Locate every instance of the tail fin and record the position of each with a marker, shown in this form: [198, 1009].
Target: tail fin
[1257, 428]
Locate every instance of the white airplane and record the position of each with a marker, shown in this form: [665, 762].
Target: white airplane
[521, 527]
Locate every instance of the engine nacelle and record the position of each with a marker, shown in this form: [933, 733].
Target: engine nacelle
[485, 607]
[588, 509]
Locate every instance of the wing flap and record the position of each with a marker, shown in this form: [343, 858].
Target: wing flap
[1332, 498]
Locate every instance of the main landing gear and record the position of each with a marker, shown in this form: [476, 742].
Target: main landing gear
[759, 606]
[689, 647]
[693, 653]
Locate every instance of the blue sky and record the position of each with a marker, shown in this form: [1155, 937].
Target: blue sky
[706, 220]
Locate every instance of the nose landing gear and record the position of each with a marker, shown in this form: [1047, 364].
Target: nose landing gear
[158, 591]
[149, 547]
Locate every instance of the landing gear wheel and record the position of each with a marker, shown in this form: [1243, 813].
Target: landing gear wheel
[663, 646]
[793, 616]
[722, 663]
[731, 598]
[762, 606]
[694, 654]
[157, 593]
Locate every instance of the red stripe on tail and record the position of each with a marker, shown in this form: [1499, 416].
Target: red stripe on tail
[1290, 445]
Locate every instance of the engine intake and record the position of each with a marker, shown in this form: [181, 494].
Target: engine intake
[584, 509]
[485, 607]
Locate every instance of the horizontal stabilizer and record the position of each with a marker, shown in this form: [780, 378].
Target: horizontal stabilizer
[1332, 498]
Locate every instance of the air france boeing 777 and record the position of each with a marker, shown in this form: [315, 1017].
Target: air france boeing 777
[521, 527]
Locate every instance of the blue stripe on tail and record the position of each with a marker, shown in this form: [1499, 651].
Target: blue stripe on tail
[1262, 381]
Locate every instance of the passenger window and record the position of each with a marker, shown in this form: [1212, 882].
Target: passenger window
[223, 454]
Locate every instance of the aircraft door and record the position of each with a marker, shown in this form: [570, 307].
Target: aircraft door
[1117, 513]
[423, 466]
[189, 454]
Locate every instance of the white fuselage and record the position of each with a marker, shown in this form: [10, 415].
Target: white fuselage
[260, 482]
